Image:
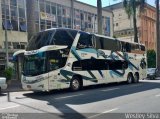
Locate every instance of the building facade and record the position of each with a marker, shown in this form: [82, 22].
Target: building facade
[148, 27]
[146, 24]
[48, 14]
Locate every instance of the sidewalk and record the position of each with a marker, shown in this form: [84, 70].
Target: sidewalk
[157, 78]
[14, 86]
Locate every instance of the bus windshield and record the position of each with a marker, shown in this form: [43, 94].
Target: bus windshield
[34, 65]
[44, 62]
[52, 37]
[40, 40]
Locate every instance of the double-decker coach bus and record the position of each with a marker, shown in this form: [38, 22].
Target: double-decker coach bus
[64, 58]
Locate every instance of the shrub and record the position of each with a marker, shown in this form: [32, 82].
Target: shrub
[8, 73]
[151, 58]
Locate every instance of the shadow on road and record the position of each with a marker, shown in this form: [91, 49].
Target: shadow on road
[2, 94]
[91, 94]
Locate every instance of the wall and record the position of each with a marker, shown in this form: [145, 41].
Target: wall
[148, 27]
[121, 18]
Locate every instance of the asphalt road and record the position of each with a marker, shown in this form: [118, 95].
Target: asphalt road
[110, 101]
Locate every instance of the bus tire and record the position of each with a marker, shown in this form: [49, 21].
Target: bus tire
[75, 84]
[129, 78]
[136, 78]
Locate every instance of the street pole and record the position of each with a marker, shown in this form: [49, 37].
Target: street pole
[158, 40]
[99, 14]
[6, 40]
[6, 48]
[72, 14]
[31, 28]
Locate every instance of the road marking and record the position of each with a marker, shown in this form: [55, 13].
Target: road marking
[110, 89]
[68, 96]
[9, 107]
[108, 111]
[136, 85]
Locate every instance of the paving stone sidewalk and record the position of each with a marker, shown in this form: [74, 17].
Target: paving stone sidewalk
[14, 86]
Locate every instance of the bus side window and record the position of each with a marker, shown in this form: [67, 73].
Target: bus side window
[85, 41]
[128, 47]
[123, 48]
[98, 43]
[143, 48]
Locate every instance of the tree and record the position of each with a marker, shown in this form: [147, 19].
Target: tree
[131, 10]
[158, 40]
[31, 29]
[99, 13]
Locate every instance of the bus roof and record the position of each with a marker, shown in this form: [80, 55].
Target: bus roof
[94, 34]
[117, 39]
[61, 29]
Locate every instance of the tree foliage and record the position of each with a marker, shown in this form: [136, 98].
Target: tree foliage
[131, 7]
[151, 58]
[8, 73]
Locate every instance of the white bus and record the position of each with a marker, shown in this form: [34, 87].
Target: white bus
[64, 58]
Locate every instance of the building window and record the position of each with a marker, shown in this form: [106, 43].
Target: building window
[48, 10]
[82, 16]
[14, 24]
[17, 45]
[42, 7]
[15, 11]
[21, 4]
[21, 12]
[13, 2]
[59, 10]
[7, 25]
[23, 26]
[53, 9]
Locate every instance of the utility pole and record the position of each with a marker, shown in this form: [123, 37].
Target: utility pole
[158, 40]
[6, 38]
[6, 46]
[31, 28]
[99, 14]
[72, 14]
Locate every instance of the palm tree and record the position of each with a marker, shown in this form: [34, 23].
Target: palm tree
[131, 10]
[99, 14]
[158, 40]
[31, 29]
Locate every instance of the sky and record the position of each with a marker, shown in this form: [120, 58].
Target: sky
[110, 2]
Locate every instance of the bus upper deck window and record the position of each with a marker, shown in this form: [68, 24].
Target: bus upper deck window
[128, 47]
[85, 41]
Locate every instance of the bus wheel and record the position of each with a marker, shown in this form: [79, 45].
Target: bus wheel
[136, 78]
[75, 84]
[129, 78]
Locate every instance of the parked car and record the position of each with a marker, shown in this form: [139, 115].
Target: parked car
[151, 73]
[3, 83]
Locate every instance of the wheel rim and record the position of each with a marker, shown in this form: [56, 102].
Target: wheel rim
[75, 84]
[136, 78]
[129, 79]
